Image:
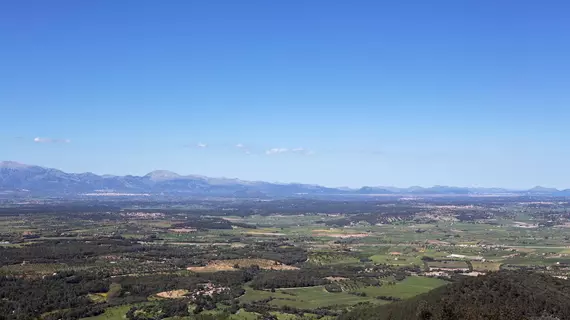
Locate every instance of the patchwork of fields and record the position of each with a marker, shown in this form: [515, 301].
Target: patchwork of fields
[179, 262]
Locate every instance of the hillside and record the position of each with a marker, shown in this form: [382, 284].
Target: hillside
[504, 295]
[27, 179]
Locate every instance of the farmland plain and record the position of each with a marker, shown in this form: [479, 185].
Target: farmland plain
[250, 260]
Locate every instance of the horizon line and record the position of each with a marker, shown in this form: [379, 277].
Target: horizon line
[24, 165]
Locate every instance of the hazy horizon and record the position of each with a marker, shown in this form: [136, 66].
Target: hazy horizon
[470, 93]
[288, 182]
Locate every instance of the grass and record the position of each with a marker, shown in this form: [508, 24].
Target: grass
[244, 315]
[407, 288]
[113, 313]
[486, 266]
[402, 260]
[288, 316]
[254, 295]
[97, 297]
[240, 315]
[535, 260]
[305, 298]
[453, 264]
[315, 297]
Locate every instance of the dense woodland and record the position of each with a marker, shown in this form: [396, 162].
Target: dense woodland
[78, 251]
[25, 298]
[65, 294]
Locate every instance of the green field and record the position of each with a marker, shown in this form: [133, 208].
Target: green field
[245, 315]
[319, 297]
[401, 260]
[409, 287]
[312, 297]
[113, 313]
[486, 266]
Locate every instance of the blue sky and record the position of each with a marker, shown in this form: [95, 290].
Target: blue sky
[467, 93]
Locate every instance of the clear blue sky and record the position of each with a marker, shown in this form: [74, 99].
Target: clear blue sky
[467, 93]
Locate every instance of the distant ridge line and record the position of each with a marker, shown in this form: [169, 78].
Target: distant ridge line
[20, 177]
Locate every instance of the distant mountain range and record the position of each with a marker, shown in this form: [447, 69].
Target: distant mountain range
[29, 179]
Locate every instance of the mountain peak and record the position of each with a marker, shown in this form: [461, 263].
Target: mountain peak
[13, 165]
[158, 175]
[543, 189]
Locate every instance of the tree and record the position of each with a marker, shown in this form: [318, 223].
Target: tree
[423, 312]
[267, 316]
